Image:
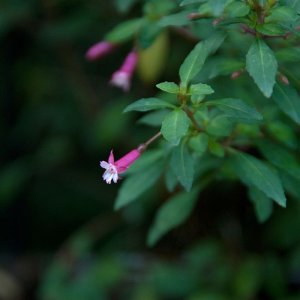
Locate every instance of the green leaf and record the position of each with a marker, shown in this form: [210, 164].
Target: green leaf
[196, 58]
[182, 165]
[237, 9]
[291, 54]
[124, 5]
[135, 185]
[146, 104]
[288, 101]
[169, 87]
[294, 4]
[193, 63]
[124, 31]
[237, 110]
[282, 14]
[178, 19]
[219, 125]
[280, 157]
[262, 66]
[174, 126]
[257, 173]
[201, 89]
[154, 118]
[199, 143]
[173, 213]
[170, 179]
[187, 2]
[262, 204]
[216, 148]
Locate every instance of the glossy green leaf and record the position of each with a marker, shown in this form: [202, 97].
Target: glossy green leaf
[169, 87]
[146, 104]
[175, 125]
[237, 110]
[173, 213]
[262, 66]
[178, 19]
[219, 125]
[124, 31]
[257, 173]
[282, 14]
[182, 165]
[287, 100]
[295, 4]
[170, 179]
[262, 204]
[135, 185]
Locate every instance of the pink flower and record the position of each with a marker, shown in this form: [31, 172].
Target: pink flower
[113, 169]
[99, 50]
[122, 77]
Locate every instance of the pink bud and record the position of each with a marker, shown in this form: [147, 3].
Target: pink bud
[99, 50]
[122, 77]
[113, 169]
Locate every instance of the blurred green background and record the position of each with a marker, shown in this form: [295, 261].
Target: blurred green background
[60, 238]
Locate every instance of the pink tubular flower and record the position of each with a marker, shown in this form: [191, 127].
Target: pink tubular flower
[99, 50]
[122, 77]
[114, 168]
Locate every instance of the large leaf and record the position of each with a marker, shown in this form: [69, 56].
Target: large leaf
[257, 173]
[124, 31]
[175, 126]
[173, 213]
[237, 110]
[294, 4]
[146, 104]
[262, 204]
[262, 66]
[196, 58]
[137, 184]
[288, 101]
[182, 165]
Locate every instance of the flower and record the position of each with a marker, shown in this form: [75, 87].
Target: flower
[99, 50]
[122, 77]
[114, 168]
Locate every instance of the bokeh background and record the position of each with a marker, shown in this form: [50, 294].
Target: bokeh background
[60, 237]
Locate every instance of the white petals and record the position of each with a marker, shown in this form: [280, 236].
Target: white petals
[110, 173]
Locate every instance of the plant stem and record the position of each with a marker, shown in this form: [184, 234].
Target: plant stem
[143, 147]
[190, 114]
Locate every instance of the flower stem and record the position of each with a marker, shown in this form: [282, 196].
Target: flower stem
[143, 147]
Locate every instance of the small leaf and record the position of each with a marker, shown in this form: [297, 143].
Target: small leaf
[187, 2]
[173, 213]
[178, 19]
[237, 110]
[124, 31]
[146, 104]
[201, 89]
[199, 143]
[169, 87]
[282, 14]
[255, 172]
[137, 184]
[175, 126]
[262, 66]
[288, 101]
[262, 204]
[182, 165]
[237, 9]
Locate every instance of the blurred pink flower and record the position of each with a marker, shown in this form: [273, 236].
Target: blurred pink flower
[113, 169]
[99, 50]
[122, 77]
